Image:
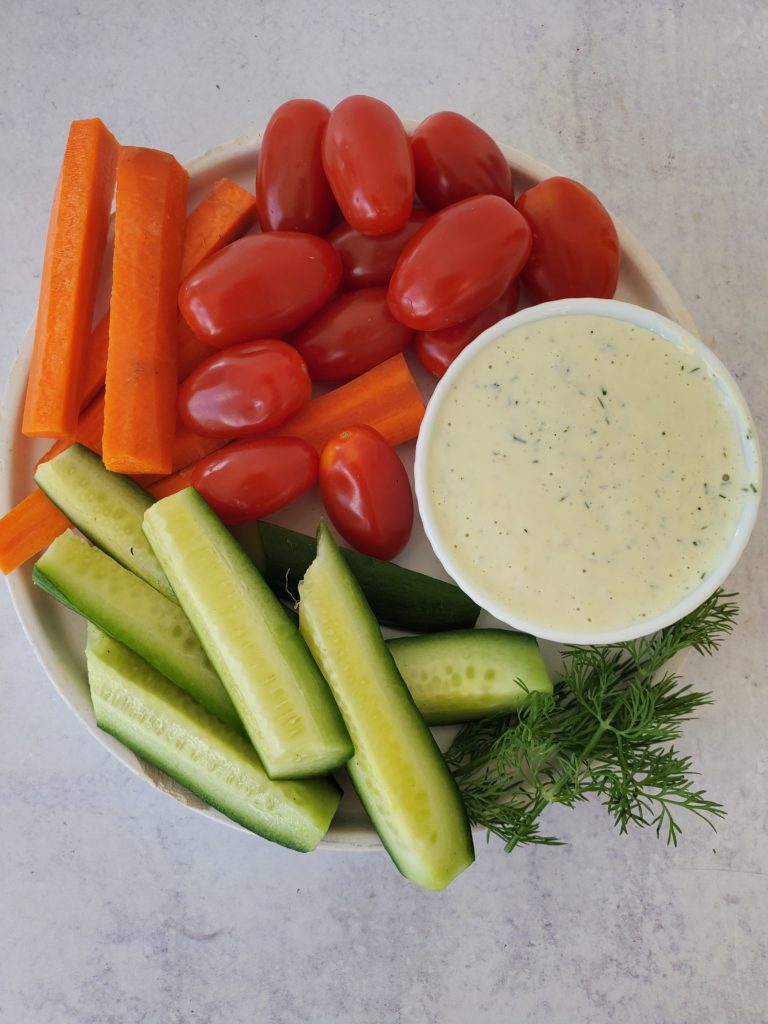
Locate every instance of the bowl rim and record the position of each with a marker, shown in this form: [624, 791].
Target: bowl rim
[669, 331]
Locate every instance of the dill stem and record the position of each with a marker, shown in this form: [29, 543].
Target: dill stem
[551, 795]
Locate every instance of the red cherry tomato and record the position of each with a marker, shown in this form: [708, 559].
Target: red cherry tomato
[368, 163]
[461, 261]
[368, 260]
[250, 479]
[292, 191]
[352, 334]
[366, 492]
[260, 286]
[454, 159]
[575, 250]
[436, 350]
[246, 389]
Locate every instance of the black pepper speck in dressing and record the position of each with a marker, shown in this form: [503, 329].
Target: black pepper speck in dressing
[587, 471]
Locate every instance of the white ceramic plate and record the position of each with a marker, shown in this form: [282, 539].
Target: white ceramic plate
[58, 637]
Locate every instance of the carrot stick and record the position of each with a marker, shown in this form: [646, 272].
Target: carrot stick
[29, 527]
[90, 428]
[225, 214]
[386, 398]
[140, 403]
[95, 362]
[172, 484]
[74, 252]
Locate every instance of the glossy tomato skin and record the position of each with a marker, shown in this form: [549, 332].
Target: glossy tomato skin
[250, 479]
[292, 191]
[575, 251]
[454, 159]
[463, 259]
[436, 350]
[368, 260]
[366, 492]
[368, 163]
[260, 286]
[352, 334]
[244, 389]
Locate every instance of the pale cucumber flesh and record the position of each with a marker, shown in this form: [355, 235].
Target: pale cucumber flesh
[280, 694]
[107, 507]
[397, 768]
[130, 610]
[468, 674]
[160, 723]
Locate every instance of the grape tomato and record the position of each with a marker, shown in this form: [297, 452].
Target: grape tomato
[251, 479]
[260, 286]
[454, 159]
[368, 163]
[292, 191]
[366, 492]
[244, 389]
[368, 260]
[463, 259]
[575, 251]
[352, 334]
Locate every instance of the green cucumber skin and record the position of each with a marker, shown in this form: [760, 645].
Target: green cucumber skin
[106, 507]
[399, 597]
[407, 790]
[160, 723]
[468, 674]
[281, 696]
[89, 582]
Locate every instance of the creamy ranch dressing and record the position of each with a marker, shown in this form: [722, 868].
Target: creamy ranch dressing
[585, 472]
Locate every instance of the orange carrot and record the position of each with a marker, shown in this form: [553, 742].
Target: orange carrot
[29, 527]
[95, 363]
[173, 483]
[140, 403]
[225, 213]
[90, 428]
[74, 252]
[386, 398]
[188, 448]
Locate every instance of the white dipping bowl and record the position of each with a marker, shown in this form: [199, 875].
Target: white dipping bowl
[454, 554]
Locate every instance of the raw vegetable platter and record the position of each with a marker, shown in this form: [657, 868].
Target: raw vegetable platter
[58, 637]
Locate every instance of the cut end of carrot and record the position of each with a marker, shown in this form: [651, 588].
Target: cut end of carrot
[135, 465]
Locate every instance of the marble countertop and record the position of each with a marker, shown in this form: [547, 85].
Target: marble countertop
[120, 907]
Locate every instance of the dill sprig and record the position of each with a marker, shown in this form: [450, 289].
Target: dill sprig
[608, 730]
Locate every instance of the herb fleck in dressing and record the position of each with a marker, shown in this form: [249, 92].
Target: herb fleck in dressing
[586, 470]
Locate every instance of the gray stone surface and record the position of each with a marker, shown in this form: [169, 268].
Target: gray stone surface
[120, 907]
